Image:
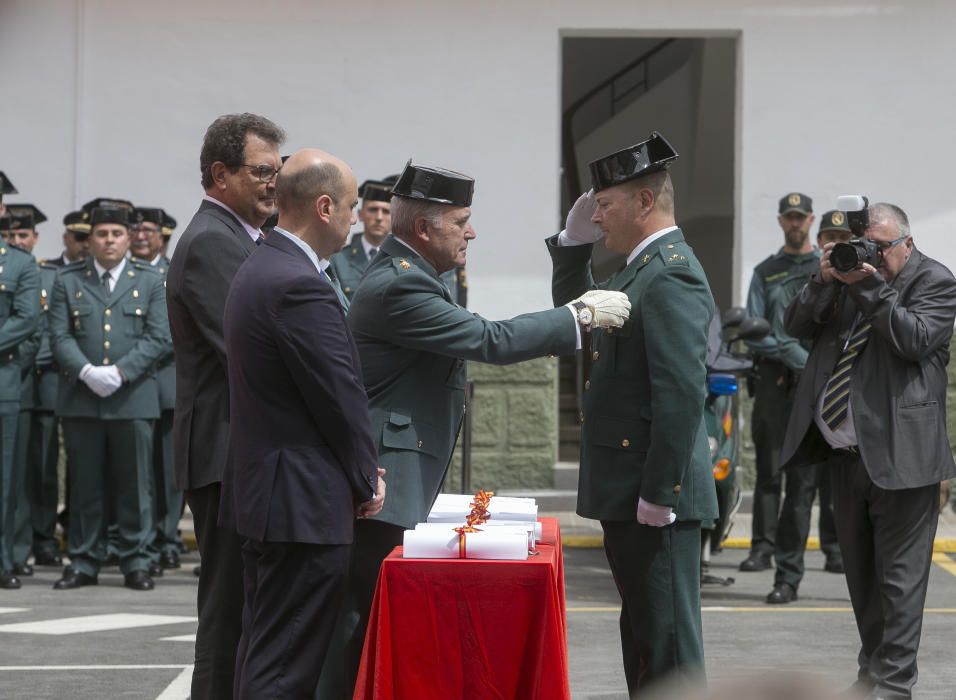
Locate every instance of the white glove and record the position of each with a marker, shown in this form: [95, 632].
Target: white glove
[578, 227]
[653, 514]
[102, 381]
[608, 309]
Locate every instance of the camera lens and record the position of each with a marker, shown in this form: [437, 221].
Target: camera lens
[844, 257]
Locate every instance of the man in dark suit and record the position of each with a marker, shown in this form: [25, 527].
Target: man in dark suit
[301, 461]
[645, 462]
[239, 163]
[872, 403]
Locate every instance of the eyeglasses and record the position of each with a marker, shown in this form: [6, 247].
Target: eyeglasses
[884, 246]
[263, 173]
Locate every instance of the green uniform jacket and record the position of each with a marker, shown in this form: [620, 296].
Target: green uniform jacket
[38, 390]
[413, 343]
[19, 314]
[128, 329]
[351, 262]
[166, 366]
[643, 433]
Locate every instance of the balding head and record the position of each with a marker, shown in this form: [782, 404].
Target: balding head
[316, 194]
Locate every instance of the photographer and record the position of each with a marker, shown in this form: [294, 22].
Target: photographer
[871, 401]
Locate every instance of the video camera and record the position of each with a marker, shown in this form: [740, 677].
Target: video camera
[846, 257]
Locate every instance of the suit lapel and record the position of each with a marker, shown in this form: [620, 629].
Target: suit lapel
[357, 258]
[125, 282]
[92, 283]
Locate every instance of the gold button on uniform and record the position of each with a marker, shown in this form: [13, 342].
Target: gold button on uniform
[587, 385]
[625, 443]
[677, 488]
[420, 443]
[106, 344]
[106, 360]
[610, 331]
[136, 294]
[107, 328]
[581, 416]
[108, 312]
[595, 355]
[76, 312]
[139, 312]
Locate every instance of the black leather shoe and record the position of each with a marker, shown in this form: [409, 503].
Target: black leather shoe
[169, 559]
[9, 581]
[23, 569]
[755, 562]
[48, 558]
[196, 570]
[74, 579]
[834, 565]
[782, 593]
[138, 581]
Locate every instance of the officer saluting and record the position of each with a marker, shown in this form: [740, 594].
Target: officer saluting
[19, 309]
[109, 327]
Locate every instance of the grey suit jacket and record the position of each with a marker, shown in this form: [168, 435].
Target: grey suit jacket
[207, 257]
[898, 384]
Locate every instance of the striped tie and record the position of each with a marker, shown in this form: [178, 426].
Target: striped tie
[836, 395]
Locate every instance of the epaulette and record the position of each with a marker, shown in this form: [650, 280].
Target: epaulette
[674, 254]
[73, 266]
[11, 248]
[47, 265]
[144, 266]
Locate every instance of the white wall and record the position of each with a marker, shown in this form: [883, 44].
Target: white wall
[106, 97]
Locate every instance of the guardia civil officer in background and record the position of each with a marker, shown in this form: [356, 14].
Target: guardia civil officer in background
[413, 341]
[37, 440]
[19, 313]
[109, 327]
[147, 246]
[803, 482]
[76, 239]
[645, 461]
[778, 360]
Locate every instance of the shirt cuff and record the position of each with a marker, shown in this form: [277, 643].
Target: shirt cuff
[577, 325]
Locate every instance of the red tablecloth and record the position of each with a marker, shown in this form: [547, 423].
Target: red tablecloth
[468, 628]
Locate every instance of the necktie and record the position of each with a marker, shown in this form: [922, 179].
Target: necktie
[372, 253]
[836, 395]
[106, 282]
[330, 277]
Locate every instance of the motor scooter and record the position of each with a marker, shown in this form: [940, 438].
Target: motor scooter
[726, 366]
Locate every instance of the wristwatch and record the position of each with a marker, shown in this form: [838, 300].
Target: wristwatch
[584, 313]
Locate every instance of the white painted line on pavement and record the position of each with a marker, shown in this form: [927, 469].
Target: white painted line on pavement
[181, 638]
[179, 688]
[4, 611]
[93, 623]
[93, 667]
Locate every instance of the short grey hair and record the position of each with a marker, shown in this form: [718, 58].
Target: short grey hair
[886, 213]
[661, 185]
[405, 211]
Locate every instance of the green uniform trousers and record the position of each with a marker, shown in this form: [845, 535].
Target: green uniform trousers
[167, 497]
[657, 573]
[11, 489]
[42, 481]
[118, 454]
[23, 528]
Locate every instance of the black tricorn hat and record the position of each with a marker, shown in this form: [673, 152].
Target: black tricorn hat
[434, 185]
[6, 187]
[11, 222]
[376, 191]
[28, 214]
[111, 215]
[158, 216]
[632, 162]
[77, 222]
[107, 202]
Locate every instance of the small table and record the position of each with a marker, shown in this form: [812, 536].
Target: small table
[468, 628]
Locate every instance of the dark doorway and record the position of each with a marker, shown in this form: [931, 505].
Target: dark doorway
[615, 91]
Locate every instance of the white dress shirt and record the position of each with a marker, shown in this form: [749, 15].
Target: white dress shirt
[115, 272]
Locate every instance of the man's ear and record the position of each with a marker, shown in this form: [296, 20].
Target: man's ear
[218, 171]
[420, 228]
[647, 200]
[323, 208]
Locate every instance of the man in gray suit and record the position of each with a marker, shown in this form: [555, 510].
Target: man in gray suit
[239, 163]
[872, 402]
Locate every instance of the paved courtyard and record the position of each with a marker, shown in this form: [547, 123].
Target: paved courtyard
[108, 642]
